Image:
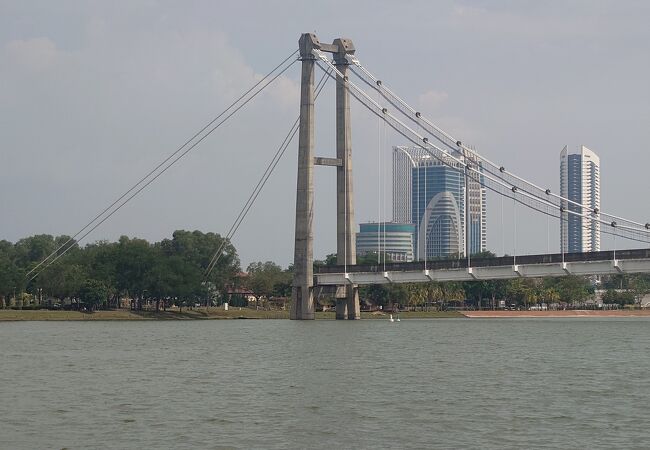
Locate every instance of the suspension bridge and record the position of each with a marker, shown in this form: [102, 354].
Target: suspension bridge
[354, 80]
[419, 131]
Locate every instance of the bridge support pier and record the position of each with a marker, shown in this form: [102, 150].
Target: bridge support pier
[302, 292]
[347, 308]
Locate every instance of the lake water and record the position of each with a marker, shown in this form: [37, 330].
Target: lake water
[448, 383]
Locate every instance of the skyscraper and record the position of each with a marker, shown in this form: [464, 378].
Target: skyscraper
[580, 183]
[431, 195]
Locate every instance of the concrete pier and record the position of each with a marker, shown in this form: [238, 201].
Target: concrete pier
[302, 293]
[348, 307]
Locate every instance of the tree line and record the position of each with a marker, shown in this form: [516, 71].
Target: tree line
[99, 274]
[172, 272]
[270, 280]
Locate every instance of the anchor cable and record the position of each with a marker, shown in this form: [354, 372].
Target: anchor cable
[176, 159]
[260, 184]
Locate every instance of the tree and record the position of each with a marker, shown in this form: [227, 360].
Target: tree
[268, 279]
[330, 260]
[93, 293]
[640, 286]
[198, 249]
[134, 260]
[571, 288]
[63, 280]
[100, 259]
[11, 277]
[551, 295]
[619, 297]
[171, 269]
[377, 294]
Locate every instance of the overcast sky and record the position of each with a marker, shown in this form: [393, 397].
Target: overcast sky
[94, 94]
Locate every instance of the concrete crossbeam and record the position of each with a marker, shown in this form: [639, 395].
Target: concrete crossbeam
[334, 162]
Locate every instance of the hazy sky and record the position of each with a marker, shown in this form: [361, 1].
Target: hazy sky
[94, 94]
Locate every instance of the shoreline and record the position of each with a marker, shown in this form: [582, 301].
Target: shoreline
[10, 315]
[215, 313]
[556, 314]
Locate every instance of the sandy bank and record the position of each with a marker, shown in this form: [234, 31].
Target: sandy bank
[567, 313]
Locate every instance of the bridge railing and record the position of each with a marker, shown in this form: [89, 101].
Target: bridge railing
[450, 264]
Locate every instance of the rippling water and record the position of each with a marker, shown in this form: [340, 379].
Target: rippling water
[449, 383]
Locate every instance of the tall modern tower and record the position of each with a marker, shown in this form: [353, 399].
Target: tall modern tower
[580, 183]
[432, 195]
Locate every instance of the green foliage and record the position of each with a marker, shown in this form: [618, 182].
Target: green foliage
[269, 280]
[376, 294]
[373, 258]
[571, 289]
[172, 270]
[11, 276]
[523, 292]
[330, 260]
[624, 297]
[93, 293]
[626, 289]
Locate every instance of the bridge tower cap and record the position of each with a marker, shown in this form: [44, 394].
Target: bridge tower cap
[307, 43]
[345, 45]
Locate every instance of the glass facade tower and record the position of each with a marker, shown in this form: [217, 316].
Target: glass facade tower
[431, 195]
[580, 183]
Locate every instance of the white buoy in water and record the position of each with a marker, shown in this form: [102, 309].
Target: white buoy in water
[391, 318]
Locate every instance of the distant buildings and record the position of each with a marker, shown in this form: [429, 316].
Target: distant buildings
[431, 195]
[580, 183]
[393, 239]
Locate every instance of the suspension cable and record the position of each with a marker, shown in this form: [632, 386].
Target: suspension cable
[436, 152]
[174, 160]
[514, 235]
[503, 236]
[260, 184]
[379, 186]
[152, 171]
[449, 142]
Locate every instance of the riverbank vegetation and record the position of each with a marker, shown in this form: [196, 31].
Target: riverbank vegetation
[170, 275]
[125, 274]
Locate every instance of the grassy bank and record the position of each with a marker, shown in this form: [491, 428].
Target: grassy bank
[195, 314]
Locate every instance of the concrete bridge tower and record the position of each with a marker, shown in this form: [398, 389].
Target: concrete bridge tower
[347, 306]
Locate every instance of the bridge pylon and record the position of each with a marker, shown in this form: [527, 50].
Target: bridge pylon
[347, 303]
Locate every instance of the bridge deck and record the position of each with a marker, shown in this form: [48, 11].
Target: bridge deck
[591, 263]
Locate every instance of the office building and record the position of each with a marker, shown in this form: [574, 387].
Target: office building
[580, 183]
[396, 240]
[431, 195]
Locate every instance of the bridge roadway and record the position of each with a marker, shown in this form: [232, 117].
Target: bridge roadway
[503, 267]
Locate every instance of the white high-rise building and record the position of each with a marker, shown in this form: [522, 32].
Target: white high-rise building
[580, 183]
[431, 195]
